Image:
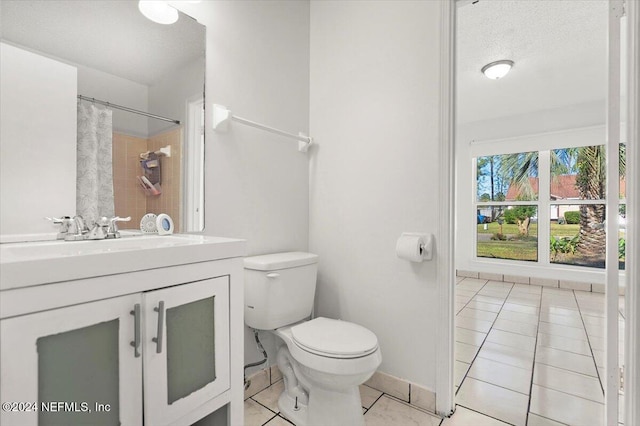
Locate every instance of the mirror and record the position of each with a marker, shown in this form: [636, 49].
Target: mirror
[127, 60]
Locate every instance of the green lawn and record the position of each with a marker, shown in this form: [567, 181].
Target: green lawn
[516, 249]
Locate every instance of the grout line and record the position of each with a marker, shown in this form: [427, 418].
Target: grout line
[565, 369]
[486, 335]
[593, 358]
[535, 350]
[570, 394]
[486, 415]
[498, 386]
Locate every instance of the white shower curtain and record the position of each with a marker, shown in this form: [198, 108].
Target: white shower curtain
[94, 183]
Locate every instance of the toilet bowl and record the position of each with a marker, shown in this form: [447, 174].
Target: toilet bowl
[323, 361]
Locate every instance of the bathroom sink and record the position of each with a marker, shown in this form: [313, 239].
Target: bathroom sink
[33, 263]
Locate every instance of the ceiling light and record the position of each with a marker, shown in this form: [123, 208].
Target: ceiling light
[497, 69]
[158, 11]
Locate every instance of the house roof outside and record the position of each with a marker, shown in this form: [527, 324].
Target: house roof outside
[563, 187]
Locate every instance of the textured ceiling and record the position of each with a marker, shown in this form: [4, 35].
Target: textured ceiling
[109, 35]
[559, 50]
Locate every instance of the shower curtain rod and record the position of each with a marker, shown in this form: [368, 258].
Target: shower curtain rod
[124, 108]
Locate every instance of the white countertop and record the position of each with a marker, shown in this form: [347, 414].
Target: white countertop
[33, 263]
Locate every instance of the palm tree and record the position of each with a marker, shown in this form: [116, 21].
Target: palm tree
[589, 164]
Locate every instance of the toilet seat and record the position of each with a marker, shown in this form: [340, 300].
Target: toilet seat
[334, 338]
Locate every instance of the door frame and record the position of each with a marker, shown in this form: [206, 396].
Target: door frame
[445, 399]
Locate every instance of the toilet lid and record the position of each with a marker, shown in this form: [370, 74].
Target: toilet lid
[334, 338]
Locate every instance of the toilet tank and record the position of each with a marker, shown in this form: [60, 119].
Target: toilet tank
[279, 289]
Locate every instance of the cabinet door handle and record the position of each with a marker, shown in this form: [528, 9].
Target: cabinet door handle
[136, 330]
[158, 339]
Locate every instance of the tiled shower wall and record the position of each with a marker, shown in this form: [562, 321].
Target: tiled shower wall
[130, 199]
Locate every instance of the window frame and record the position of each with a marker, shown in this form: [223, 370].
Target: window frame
[543, 143]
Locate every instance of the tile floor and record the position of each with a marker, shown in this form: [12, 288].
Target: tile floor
[525, 355]
[529, 355]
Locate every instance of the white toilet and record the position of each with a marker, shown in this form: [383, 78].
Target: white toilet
[323, 361]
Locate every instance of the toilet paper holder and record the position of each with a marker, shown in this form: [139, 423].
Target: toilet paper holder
[415, 246]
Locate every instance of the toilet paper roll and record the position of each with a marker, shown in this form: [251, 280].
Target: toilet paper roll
[409, 247]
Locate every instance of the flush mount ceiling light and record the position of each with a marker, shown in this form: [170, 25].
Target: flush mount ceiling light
[158, 11]
[497, 69]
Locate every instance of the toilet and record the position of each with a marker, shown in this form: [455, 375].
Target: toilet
[322, 360]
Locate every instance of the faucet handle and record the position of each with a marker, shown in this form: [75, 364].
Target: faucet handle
[64, 222]
[112, 231]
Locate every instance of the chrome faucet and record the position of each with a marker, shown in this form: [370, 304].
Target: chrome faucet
[77, 230]
[112, 229]
[64, 222]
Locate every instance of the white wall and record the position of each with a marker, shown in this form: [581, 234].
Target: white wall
[168, 97]
[38, 141]
[374, 173]
[120, 91]
[257, 184]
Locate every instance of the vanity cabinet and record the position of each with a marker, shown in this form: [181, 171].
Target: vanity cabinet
[148, 347]
[82, 356]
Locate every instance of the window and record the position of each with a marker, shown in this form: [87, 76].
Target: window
[545, 206]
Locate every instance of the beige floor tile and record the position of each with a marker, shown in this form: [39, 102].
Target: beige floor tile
[557, 291]
[597, 343]
[568, 382]
[387, 411]
[559, 311]
[269, 396]
[484, 306]
[576, 346]
[511, 339]
[489, 299]
[570, 321]
[368, 395]
[465, 353]
[524, 301]
[524, 288]
[470, 337]
[595, 320]
[503, 375]
[278, 421]
[255, 414]
[564, 303]
[566, 360]
[465, 417]
[478, 314]
[498, 285]
[497, 402]
[507, 355]
[516, 327]
[519, 317]
[462, 299]
[459, 307]
[464, 292]
[473, 324]
[593, 311]
[598, 355]
[500, 294]
[536, 420]
[562, 330]
[259, 381]
[595, 330]
[459, 371]
[565, 408]
[532, 310]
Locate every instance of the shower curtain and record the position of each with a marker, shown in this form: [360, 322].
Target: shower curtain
[94, 182]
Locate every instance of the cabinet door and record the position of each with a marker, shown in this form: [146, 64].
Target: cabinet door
[186, 356]
[76, 365]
